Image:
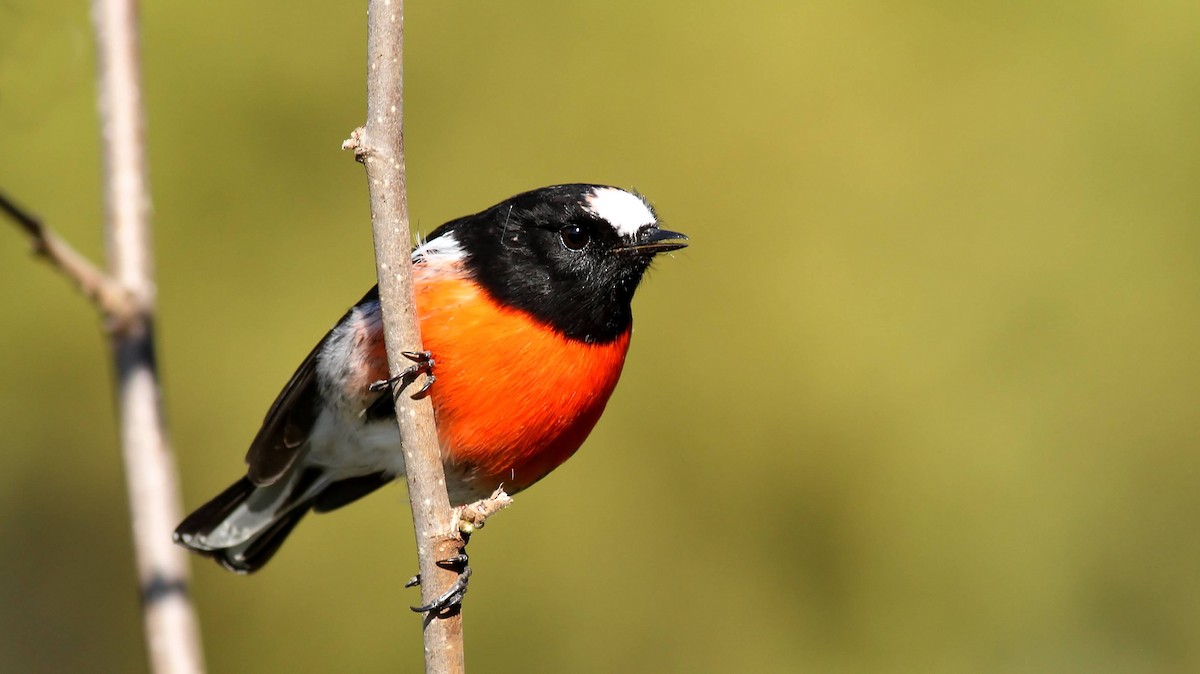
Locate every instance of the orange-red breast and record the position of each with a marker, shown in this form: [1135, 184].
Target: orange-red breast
[525, 310]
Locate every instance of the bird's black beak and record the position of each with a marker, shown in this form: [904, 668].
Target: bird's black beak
[652, 241]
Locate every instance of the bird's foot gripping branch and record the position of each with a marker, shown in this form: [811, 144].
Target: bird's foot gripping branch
[423, 365]
[468, 519]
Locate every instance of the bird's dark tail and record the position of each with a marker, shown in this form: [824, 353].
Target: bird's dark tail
[244, 525]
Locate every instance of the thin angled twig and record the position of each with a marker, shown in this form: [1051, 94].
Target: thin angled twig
[109, 296]
[380, 146]
[168, 618]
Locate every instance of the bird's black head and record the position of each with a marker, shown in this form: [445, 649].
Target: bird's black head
[569, 255]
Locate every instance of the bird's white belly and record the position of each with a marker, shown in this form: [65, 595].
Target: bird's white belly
[349, 447]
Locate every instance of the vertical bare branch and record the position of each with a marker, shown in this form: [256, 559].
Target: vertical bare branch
[172, 636]
[380, 146]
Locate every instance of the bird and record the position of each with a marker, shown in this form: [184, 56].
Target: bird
[524, 312]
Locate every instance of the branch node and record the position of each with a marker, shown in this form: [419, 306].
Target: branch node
[355, 143]
[473, 516]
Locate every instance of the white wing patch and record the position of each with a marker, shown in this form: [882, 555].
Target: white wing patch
[625, 211]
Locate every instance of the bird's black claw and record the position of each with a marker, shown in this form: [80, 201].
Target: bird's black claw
[424, 390]
[453, 597]
[450, 599]
[423, 365]
[457, 563]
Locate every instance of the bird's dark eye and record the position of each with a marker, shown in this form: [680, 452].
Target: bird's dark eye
[574, 237]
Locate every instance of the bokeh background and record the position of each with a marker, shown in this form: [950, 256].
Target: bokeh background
[921, 397]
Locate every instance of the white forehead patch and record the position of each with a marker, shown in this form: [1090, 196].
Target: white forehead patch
[626, 212]
[442, 250]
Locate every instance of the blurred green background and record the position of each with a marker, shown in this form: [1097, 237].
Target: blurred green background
[922, 395]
